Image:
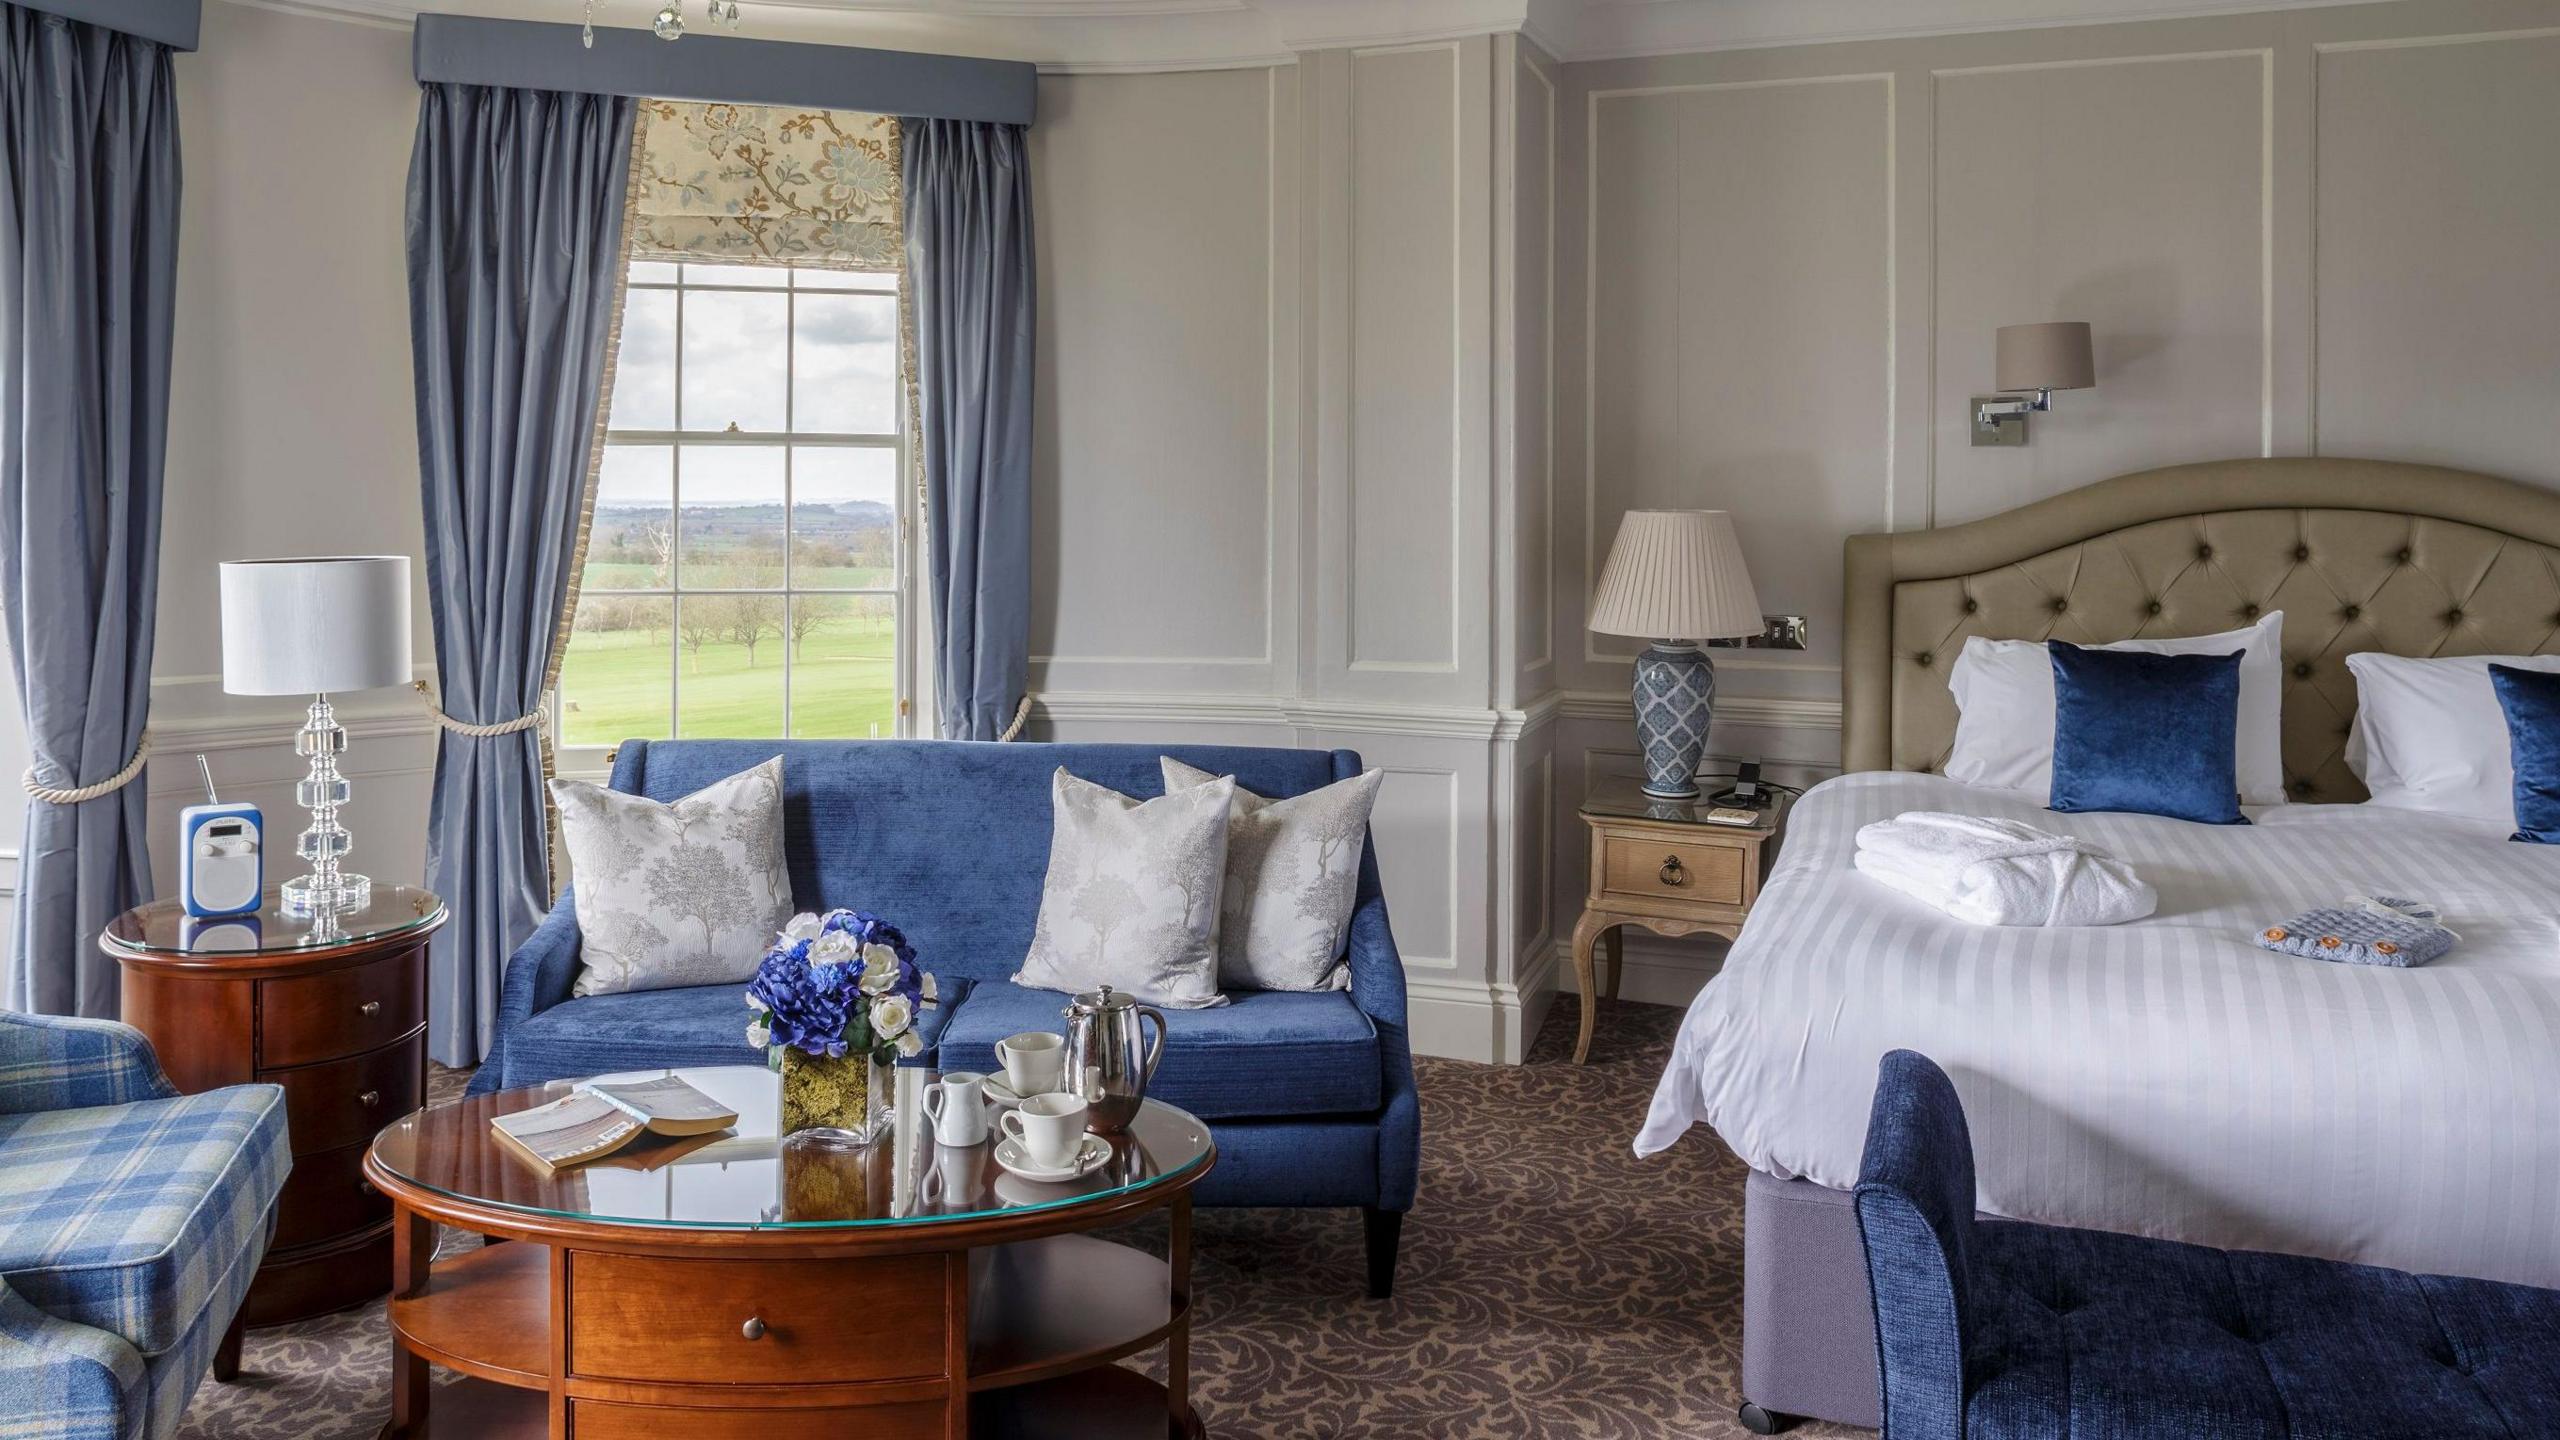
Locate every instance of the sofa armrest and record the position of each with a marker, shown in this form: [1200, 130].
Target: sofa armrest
[52, 1062]
[53, 1372]
[1377, 987]
[932, 1022]
[542, 973]
[1914, 1205]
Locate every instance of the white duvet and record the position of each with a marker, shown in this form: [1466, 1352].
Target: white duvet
[2167, 1077]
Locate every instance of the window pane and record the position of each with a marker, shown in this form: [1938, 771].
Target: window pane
[644, 373]
[614, 680]
[763, 277]
[731, 670]
[845, 365]
[844, 517]
[632, 540]
[652, 272]
[729, 535]
[844, 652]
[733, 360]
[813, 279]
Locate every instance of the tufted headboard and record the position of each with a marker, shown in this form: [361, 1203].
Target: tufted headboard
[2358, 554]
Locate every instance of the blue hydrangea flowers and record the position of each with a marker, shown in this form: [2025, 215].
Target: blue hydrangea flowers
[836, 984]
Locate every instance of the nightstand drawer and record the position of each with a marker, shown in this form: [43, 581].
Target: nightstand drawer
[305, 1019]
[1672, 870]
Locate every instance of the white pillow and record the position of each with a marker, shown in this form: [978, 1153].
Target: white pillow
[1131, 899]
[2430, 734]
[1293, 871]
[2004, 708]
[688, 892]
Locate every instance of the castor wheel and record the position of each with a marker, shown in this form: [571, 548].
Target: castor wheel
[1762, 1422]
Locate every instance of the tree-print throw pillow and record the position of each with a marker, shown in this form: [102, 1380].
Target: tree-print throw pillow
[1293, 871]
[1131, 900]
[682, 893]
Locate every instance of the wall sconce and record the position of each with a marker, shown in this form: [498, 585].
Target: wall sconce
[2042, 358]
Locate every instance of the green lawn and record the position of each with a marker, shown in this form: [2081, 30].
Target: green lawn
[633, 575]
[613, 685]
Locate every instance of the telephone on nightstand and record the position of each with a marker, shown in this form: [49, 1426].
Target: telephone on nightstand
[221, 865]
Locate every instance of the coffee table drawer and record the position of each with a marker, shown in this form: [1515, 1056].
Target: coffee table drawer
[769, 1322]
[305, 1019]
[1668, 869]
[593, 1420]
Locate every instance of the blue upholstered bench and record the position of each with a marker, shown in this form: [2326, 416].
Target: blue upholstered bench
[1990, 1329]
[1310, 1096]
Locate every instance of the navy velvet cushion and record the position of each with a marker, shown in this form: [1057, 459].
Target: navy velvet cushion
[2531, 699]
[2144, 733]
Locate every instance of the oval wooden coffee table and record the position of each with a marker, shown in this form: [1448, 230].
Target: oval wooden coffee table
[712, 1291]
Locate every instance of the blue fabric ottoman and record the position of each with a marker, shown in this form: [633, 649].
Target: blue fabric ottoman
[1994, 1329]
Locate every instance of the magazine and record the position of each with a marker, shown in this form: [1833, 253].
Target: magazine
[595, 1120]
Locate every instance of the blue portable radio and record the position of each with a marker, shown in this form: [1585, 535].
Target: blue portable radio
[221, 865]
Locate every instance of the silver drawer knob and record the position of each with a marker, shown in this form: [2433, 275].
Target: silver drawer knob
[369, 1009]
[369, 1099]
[754, 1328]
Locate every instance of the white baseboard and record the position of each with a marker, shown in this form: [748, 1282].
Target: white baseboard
[1659, 971]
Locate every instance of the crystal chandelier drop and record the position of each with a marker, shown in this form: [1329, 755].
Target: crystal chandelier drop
[669, 24]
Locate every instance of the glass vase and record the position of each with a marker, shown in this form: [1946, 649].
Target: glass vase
[843, 1100]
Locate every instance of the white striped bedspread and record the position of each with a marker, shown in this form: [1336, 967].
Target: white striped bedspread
[2167, 1077]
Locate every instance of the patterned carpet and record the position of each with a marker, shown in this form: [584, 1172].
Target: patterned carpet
[1552, 1283]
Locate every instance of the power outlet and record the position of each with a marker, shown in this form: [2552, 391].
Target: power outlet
[1777, 632]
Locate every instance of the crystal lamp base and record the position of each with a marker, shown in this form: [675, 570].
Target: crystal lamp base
[304, 895]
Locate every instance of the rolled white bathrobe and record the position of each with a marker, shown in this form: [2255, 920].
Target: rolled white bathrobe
[2001, 872]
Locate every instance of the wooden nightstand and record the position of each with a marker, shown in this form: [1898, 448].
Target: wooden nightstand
[1659, 864]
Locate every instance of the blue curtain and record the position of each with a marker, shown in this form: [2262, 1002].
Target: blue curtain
[968, 196]
[88, 268]
[515, 266]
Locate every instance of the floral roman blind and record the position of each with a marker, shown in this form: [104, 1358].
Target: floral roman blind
[768, 185]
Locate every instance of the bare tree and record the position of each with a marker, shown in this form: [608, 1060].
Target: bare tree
[752, 620]
[807, 618]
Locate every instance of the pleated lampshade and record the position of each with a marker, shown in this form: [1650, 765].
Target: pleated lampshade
[1676, 575]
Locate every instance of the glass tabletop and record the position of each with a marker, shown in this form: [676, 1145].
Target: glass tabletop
[165, 927]
[748, 1178]
[1621, 797]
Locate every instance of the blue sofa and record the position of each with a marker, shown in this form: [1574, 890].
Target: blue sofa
[1310, 1096]
[132, 1219]
[1990, 1329]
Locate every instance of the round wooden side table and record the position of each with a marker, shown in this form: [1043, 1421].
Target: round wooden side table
[750, 1286]
[335, 1014]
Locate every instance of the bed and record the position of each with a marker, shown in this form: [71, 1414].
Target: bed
[2165, 1077]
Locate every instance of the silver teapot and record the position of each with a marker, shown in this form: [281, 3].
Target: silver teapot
[1107, 1065]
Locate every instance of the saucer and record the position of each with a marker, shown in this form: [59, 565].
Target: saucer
[1089, 1158]
[1005, 1094]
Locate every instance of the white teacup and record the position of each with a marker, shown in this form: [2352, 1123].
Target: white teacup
[1034, 1061]
[957, 1106]
[1050, 1129]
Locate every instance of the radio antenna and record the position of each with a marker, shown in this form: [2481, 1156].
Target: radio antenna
[205, 768]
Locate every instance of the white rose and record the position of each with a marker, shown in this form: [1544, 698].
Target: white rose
[879, 968]
[910, 1043]
[755, 1002]
[833, 948]
[891, 1017]
[758, 1036]
[925, 985]
[803, 926]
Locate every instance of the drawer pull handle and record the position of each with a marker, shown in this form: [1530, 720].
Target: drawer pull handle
[369, 1099]
[369, 1009]
[754, 1328]
[1673, 873]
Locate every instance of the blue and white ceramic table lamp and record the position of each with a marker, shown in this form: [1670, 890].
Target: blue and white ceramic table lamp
[1675, 577]
[313, 627]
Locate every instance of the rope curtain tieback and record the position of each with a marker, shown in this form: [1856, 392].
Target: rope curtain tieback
[1021, 713]
[80, 794]
[525, 721]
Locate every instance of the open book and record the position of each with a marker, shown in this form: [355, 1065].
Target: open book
[594, 1121]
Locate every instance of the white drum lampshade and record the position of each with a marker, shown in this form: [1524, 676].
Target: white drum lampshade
[1675, 577]
[317, 625]
[310, 627]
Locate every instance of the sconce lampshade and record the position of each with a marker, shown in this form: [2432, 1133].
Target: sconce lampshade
[1676, 575]
[321, 625]
[2051, 356]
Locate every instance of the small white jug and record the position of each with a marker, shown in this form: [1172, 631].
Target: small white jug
[957, 1106]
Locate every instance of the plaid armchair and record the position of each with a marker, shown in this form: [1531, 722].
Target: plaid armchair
[132, 1219]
